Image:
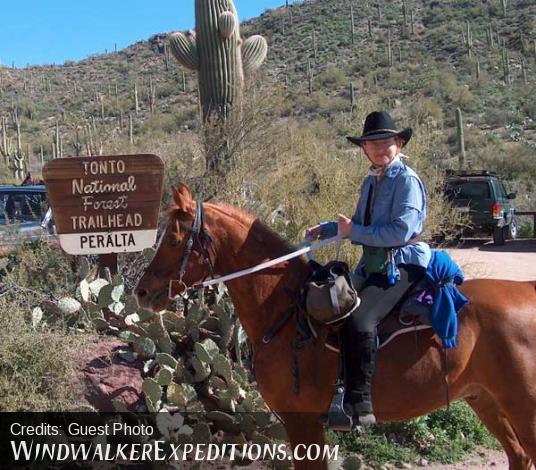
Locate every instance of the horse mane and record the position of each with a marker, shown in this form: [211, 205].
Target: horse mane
[262, 232]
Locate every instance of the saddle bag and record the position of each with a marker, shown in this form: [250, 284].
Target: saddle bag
[329, 295]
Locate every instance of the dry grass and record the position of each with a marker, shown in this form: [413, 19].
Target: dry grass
[36, 364]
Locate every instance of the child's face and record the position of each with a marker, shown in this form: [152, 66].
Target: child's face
[382, 152]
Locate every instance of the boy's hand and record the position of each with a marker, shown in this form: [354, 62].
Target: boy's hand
[312, 233]
[344, 226]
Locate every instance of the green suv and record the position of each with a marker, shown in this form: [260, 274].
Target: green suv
[482, 196]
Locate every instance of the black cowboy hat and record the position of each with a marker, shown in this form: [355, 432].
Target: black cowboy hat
[380, 125]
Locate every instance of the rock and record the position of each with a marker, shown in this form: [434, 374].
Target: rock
[107, 376]
[353, 462]
[422, 462]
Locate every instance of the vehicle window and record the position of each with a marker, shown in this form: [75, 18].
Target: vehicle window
[8, 207]
[20, 207]
[499, 189]
[32, 206]
[3, 198]
[468, 190]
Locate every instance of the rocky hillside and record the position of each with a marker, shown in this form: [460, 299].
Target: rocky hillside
[328, 58]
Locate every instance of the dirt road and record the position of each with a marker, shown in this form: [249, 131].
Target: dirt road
[486, 459]
[482, 259]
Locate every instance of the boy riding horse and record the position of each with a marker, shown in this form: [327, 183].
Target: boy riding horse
[388, 219]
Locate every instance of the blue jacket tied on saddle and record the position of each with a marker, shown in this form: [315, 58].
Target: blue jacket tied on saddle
[444, 273]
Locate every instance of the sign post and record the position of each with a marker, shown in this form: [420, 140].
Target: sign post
[105, 205]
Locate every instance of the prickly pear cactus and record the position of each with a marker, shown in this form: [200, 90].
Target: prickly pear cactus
[216, 51]
[193, 365]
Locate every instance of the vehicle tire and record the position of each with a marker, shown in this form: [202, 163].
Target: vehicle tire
[513, 229]
[499, 235]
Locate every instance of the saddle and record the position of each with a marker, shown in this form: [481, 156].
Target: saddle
[410, 314]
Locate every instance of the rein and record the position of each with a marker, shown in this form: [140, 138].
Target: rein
[302, 337]
[199, 230]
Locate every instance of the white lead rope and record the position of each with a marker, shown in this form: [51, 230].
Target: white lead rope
[306, 249]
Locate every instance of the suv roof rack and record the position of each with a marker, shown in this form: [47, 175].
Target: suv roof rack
[471, 173]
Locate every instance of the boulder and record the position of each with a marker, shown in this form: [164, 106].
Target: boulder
[108, 377]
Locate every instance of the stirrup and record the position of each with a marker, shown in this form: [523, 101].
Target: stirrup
[337, 418]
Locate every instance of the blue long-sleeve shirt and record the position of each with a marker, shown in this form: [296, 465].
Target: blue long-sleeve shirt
[398, 211]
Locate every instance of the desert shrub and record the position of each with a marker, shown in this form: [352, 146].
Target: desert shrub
[165, 89]
[321, 103]
[36, 364]
[40, 267]
[426, 110]
[332, 77]
[160, 125]
[459, 95]
[444, 436]
[501, 117]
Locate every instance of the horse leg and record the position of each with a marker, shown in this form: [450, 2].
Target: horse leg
[497, 423]
[520, 408]
[304, 430]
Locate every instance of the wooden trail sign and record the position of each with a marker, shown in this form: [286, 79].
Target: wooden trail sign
[105, 204]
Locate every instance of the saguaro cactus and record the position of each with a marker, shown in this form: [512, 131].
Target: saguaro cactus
[57, 144]
[221, 58]
[352, 23]
[489, 35]
[524, 70]
[506, 67]
[315, 49]
[460, 138]
[136, 102]
[310, 75]
[468, 39]
[18, 166]
[352, 96]
[5, 146]
[389, 50]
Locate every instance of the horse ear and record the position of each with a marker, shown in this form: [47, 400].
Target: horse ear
[176, 195]
[183, 198]
[185, 191]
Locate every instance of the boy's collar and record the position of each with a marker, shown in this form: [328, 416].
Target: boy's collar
[391, 170]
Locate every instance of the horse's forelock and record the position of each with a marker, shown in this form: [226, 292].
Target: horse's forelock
[172, 214]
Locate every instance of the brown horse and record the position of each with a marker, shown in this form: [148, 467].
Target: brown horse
[493, 368]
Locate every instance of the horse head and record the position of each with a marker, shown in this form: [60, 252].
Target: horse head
[181, 254]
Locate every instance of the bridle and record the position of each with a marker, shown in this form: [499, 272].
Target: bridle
[197, 232]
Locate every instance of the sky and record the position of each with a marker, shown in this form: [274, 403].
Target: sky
[38, 32]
